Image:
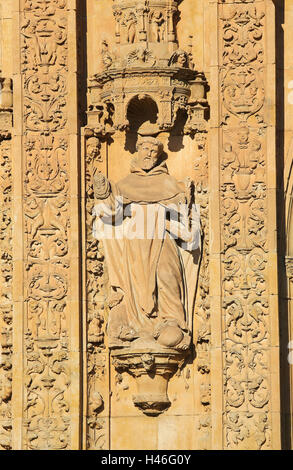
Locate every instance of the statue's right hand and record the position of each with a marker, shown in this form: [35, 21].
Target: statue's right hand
[102, 186]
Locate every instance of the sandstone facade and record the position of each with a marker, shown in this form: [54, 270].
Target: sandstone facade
[82, 82]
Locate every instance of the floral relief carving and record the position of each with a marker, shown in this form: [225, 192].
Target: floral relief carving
[44, 104]
[242, 82]
[46, 222]
[145, 89]
[6, 272]
[96, 434]
[148, 51]
[96, 370]
[47, 168]
[44, 48]
[202, 304]
[44, 7]
[244, 224]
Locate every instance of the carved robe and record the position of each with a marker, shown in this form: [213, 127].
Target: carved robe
[148, 272]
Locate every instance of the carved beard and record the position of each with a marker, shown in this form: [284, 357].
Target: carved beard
[148, 163]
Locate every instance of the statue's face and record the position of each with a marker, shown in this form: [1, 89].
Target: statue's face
[181, 60]
[148, 155]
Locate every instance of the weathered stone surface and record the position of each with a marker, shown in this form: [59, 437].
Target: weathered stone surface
[185, 102]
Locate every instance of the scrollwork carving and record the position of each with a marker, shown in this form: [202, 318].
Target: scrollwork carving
[242, 82]
[96, 304]
[202, 303]
[6, 273]
[244, 223]
[46, 221]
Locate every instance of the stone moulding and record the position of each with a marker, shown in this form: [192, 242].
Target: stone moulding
[152, 371]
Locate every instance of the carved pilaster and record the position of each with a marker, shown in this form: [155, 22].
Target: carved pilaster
[202, 320]
[97, 391]
[46, 290]
[6, 264]
[246, 227]
[6, 273]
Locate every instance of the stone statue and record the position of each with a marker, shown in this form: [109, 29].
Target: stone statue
[152, 253]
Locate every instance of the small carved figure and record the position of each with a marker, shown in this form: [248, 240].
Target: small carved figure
[95, 333]
[130, 22]
[243, 137]
[179, 58]
[107, 58]
[35, 213]
[94, 150]
[158, 26]
[257, 160]
[230, 162]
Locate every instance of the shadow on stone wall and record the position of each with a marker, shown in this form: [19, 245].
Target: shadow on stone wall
[82, 72]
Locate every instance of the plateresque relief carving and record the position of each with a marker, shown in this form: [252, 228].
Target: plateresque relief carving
[6, 264]
[6, 273]
[244, 196]
[140, 235]
[46, 217]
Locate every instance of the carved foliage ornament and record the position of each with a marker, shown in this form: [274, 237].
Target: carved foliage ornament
[244, 226]
[95, 306]
[5, 296]
[202, 324]
[242, 80]
[47, 375]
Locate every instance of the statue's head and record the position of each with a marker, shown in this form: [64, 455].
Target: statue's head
[149, 152]
[179, 58]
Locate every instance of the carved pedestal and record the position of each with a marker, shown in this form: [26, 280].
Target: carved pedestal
[152, 371]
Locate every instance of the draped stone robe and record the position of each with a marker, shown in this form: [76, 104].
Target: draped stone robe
[148, 269]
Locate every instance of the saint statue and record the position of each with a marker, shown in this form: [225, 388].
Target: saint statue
[152, 255]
